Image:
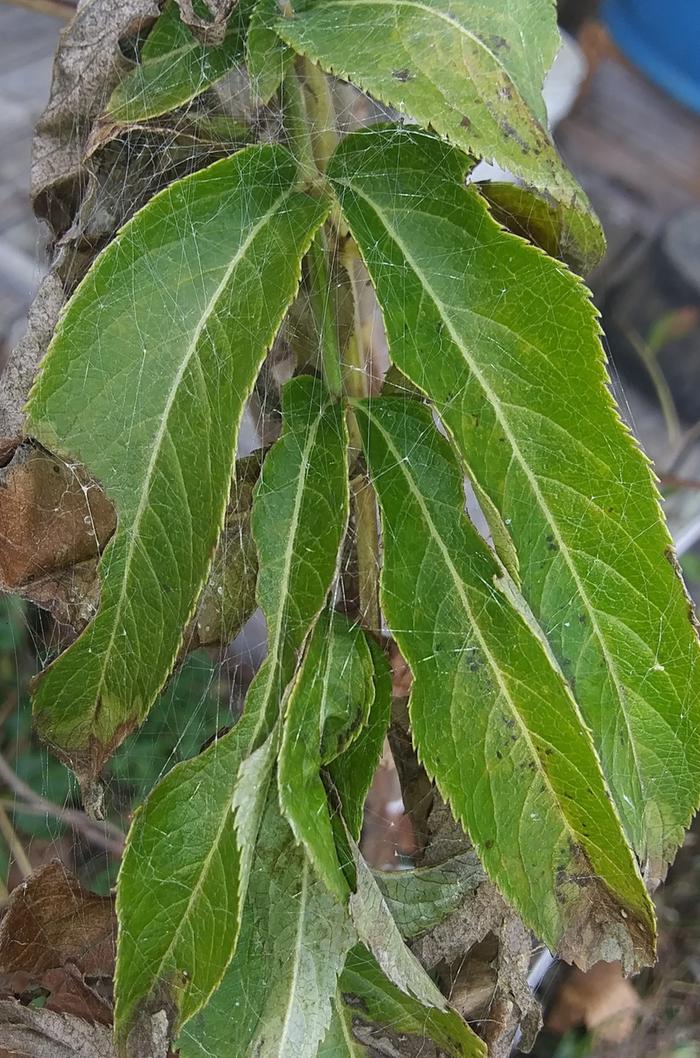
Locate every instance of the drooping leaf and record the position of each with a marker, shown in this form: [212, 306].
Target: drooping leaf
[327, 704]
[543, 221]
[186, 916]
[419, 899]
[275, 999]
[492, 720]
[178, 893]
[506, 343]
[377, 929]
[352, 772]
[367, 998]
[144, 383]
[300, 515]
[175, 67]
[267, 56]
[466, 69]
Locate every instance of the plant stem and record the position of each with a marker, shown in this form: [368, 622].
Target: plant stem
[357, 385]
[14, 844]
[367, 549]
[309, 121]
[321, 297]
[310, 124]
[296, 123]
[666, 402]
[321, 113]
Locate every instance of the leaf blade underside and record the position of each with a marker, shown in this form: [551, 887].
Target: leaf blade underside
[303, 486]
[492, 720]
[275, 999]
[145, 383]
[505, 341]
[467, 69]
[377, 929]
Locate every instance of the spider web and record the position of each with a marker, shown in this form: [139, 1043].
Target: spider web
[207, 691]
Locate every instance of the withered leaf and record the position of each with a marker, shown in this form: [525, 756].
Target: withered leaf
[51, 920]
[51, 517]
[28, 1032]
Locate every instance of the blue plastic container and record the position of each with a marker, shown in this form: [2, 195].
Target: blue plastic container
[662, 38]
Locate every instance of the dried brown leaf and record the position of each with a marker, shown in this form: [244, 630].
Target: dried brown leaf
[601, 999]
[52, 516]
[482, 950]
[211, 30]
[87, 66]
[28, 1032]
[51, 921]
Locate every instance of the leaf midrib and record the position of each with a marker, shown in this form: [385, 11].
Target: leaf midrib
[273, 653]
[532, 480]
[301, 918]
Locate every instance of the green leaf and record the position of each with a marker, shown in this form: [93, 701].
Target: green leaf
[422, 898]
[466, 69]
[267, 56]
[300, 515]
[178, 893]
[492, 720]
[327, 704]
[275, 999]
[353, 771]
[145, 382]
[377, 929]
[506, 343]
[175, 67]
[370, 999]
[183, 863]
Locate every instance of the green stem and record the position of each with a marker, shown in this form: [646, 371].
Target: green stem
[321, 112]
[666, 402]
[310, 125]
[322, 308]
[357, 385]
[309, 121]
[14, 845]
[367, 550]
[297, 126]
